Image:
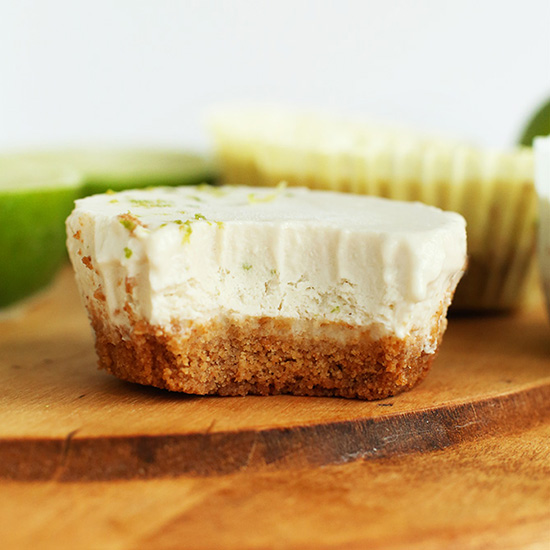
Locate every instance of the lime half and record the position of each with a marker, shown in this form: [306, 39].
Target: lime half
[34, 202]
[538, 125]
[37, 192]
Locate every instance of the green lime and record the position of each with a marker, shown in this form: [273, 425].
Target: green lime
[34, 203]
[37, 192]
[538, 125]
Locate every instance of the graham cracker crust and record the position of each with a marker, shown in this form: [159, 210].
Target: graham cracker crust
[265, 356]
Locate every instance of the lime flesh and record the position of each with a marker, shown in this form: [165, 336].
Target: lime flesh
[118, 169]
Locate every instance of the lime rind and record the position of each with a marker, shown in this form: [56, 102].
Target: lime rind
[538, 125]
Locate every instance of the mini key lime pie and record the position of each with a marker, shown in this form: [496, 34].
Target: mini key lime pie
[493, 190]
[542, 179]
[235, 290]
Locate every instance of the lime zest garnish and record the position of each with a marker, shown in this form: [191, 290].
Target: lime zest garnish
[253, 198]
[187, 230]
[213, 190]
[129, 221]
[538, 125]
[247, 267]
[199, 217]
[127, 252]
[128, 224]
[336, 309]
[282, 185]
[147, 203]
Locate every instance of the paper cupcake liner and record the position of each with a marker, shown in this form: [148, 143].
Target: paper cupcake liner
[494, 191]
[542, 179]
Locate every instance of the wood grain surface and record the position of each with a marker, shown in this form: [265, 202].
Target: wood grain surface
[87, 461]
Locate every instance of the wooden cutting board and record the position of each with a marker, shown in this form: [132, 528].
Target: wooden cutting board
[258, 472]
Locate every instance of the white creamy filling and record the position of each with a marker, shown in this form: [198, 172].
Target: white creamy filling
[204, 253]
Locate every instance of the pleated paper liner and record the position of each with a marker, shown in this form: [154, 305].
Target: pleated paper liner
[542, 181]
[544, 247]
[494, 191]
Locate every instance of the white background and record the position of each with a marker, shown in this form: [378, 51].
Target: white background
[146, 72]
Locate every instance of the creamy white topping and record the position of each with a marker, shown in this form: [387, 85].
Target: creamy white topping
[198, 253]
[542, 182]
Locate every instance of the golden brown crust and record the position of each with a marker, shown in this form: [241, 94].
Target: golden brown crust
[265, 356]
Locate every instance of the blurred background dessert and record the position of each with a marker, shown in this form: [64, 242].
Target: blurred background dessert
[542, 179]
[492, 189]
